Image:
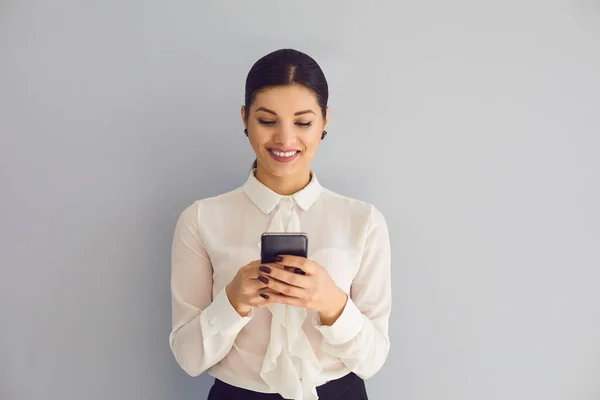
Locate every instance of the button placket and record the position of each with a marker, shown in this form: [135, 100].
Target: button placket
[286, 205]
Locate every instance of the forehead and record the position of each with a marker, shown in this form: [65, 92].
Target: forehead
[286, 99]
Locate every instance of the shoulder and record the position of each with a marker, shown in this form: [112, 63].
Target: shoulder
[224, 199]
[352, 207]
[215, 204]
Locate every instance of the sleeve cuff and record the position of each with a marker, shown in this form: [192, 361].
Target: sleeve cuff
[222, 318]
[345, 328]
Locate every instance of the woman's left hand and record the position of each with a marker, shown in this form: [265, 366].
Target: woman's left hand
[300, 282]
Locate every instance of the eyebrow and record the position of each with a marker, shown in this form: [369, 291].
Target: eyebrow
[274, 113]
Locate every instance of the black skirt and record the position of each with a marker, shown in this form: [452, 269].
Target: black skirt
[349, 387]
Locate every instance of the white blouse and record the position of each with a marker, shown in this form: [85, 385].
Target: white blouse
[262, 352]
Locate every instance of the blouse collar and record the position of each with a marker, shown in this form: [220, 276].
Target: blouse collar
[266, 199]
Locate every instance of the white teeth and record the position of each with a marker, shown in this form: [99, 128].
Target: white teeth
[282, 154]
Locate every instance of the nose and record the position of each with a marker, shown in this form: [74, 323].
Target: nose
[285, 136]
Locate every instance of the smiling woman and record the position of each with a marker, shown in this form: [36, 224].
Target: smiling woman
[301, 327]
[285, 114]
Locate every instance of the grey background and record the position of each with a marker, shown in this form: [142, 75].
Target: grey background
[474, 126]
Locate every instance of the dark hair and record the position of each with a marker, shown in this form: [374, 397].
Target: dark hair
[286, 67]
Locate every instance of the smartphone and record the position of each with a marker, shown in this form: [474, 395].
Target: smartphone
[277, 243]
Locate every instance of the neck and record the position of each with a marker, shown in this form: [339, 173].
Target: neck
[286, 185]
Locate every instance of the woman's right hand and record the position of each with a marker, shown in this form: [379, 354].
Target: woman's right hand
[246, 290]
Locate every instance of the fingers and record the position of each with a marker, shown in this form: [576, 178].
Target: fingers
[285, 267]
[260, 289]
[277, 298]
[268, 296]
[266, 293]
[249, 270]
[260, 297]
[285, 276]
[267, 284]
[285, 289]
[306, 265]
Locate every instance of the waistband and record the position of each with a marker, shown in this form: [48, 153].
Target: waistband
[331, 390]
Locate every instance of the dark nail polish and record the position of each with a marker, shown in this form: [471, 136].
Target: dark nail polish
[278, 259]
[263, 279]
[264, 296]
[264, 269]
[299, 271]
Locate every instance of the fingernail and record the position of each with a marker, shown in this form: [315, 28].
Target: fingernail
[279, 259]
[264, 296]
[299, 271]
[263, 279]
[264, 269]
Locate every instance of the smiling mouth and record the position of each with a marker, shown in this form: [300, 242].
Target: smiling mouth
[284, 154]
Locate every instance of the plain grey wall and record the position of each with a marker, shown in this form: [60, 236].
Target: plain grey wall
[474, 127]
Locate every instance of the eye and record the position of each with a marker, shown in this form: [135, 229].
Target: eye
[266, 122]
[304, 124]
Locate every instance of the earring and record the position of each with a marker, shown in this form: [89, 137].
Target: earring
[246, 131]
[323, 135]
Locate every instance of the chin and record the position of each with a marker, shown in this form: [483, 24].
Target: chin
[281, 169]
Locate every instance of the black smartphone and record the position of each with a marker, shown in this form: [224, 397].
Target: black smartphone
[276, 243]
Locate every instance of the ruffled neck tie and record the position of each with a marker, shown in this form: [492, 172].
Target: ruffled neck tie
[290, 366]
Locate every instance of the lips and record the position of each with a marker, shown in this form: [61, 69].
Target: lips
[284, 155]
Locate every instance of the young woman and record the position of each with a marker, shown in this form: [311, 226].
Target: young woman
[300, 328]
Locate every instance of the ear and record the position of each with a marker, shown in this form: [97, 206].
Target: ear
[243, 114]
[326, 119]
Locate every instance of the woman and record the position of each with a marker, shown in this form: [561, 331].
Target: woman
[300, 328]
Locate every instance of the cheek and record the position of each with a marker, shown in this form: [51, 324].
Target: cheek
[260, 135]
[311, 141]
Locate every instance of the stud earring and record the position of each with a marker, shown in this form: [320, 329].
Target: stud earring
[323, 135]
[246, 131]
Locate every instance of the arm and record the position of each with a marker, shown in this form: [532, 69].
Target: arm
[359, 337]
[203, 328]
